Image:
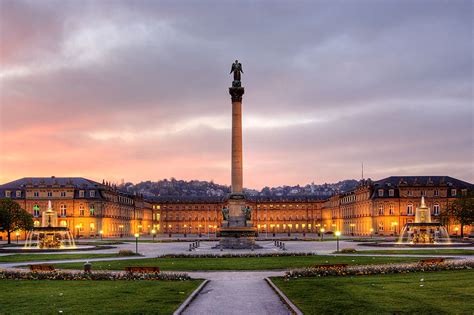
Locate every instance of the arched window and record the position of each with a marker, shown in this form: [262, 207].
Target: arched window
[36, 211]
[62, 210]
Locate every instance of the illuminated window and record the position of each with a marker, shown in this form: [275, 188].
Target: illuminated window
[81, 210]
[36, 211]
[63, 223]
[92, 226]
[18, 193]
[36, 223]
[92, 193]
[453, 192]
[381, 226]
[81, 193]
[91, 210]
[8, 193]
[381, 210]
[62, 210]
[392, 209]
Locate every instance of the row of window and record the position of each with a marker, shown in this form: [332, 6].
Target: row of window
[8, 194]
[63, 210]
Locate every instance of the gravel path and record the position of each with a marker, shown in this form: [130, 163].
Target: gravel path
[237, 293]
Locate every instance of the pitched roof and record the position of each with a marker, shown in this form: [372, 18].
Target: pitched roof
[423, 181]
[78, 182]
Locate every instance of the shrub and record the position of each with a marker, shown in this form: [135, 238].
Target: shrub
[348, 250]
[237, 255]
[378, 269]
[126, 252]
[60, 275]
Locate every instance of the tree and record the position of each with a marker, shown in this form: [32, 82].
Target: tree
[13, 217]
[462, 210]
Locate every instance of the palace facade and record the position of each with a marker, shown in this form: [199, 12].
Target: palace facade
[92, 209]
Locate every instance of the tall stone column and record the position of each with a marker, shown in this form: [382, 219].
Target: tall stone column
[237, 161]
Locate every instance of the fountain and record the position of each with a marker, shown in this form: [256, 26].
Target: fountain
[49, 235]
[423, 231]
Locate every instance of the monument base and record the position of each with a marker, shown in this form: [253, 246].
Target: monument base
[237, 238]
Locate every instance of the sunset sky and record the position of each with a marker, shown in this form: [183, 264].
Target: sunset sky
[139, 89]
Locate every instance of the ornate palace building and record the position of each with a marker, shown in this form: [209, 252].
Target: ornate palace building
[86, 207]
[374, 207]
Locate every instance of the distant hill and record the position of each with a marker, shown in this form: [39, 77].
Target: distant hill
[195, 188]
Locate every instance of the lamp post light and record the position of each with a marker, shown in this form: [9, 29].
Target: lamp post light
[101, 235]
[121, 230]
[153, 233]
[371, 232]
[322, 230]
[456, 229]
[338, 233]
[352, 228]
[136, 242]
[17, 235]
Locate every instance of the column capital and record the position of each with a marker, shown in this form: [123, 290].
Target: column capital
[236, 93]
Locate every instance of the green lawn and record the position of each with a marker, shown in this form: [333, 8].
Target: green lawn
[45, 257]
[247, 263]
[419, 252]
[447, 292]
[93, 297]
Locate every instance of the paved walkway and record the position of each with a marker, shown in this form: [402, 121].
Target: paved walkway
[236, 292]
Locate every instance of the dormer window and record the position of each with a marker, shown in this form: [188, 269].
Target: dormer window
[92, 193]
[453, 192]
[81, 193]
[8, 193]
[391, 192]
[18, 193]
[380, 192]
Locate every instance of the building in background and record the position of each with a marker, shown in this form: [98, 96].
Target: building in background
[84, 206]
[373, 207]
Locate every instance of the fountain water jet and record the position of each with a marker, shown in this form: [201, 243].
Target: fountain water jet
[423, 231]
[49, 235]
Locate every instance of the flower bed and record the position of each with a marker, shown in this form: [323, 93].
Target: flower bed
[58, 275]
[236, 255]
[377, 269]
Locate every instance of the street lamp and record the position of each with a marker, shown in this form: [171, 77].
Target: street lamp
[136, 242]
[17, 235]
[101, 234]
[456, 229]
[153, 232]
[322, 230]
[121, 230]
[371, 232]
[338, 233]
